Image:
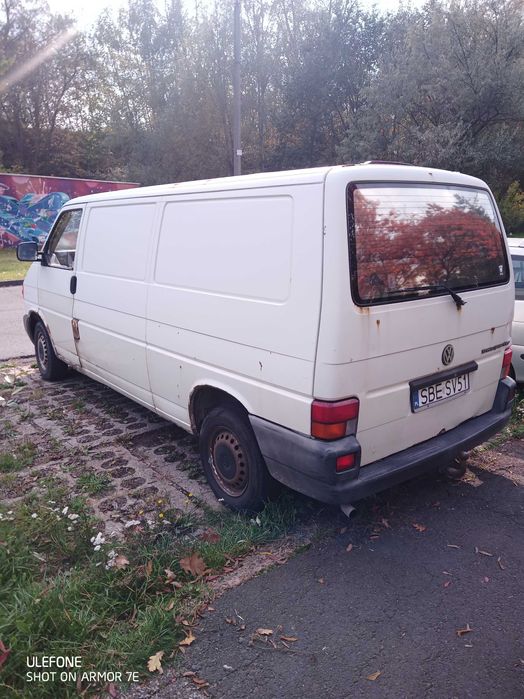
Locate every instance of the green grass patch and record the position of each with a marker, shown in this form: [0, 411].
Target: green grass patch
[17, 459]
[515, 428]
[93, 483]
[10, 268]
[59, 595]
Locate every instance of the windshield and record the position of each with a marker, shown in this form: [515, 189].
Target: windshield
[405, 238]
[518, 270]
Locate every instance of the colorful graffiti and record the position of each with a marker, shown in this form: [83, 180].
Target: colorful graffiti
[29, 204]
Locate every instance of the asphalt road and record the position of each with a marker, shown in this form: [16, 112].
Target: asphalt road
[13, 339]
[393, 605]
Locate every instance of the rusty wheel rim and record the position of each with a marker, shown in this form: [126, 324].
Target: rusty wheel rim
[228, 463]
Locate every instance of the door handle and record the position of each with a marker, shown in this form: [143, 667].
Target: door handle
[72, 284]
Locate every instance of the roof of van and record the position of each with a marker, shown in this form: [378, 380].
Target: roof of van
[516, 242]
[379, 171]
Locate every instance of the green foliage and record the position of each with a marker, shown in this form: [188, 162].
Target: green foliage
[512, 210]
[146, 96]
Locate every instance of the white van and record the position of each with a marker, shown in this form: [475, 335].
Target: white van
[516, 249]
[340, 329]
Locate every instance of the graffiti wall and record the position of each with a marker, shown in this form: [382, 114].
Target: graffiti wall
[29, 204]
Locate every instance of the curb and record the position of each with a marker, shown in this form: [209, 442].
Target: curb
[14, 282]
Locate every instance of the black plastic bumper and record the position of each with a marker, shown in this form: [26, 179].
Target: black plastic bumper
[308, 465]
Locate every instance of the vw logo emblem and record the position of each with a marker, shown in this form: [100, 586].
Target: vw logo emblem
[447, 354]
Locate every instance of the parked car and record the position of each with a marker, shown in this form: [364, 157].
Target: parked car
[516, 248]
[339, 329]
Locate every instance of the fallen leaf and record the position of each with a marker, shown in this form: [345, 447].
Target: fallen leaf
[4, 653]
[289, 639]
[461, 632]
[170, 605]
[210, 535]
[502, 567]
[447, 583]
[265, 632]
[453, 546]
[374, 675]
[230, 620]
[445, 572]
[419, 527]
[483, 553]
[321, 581]
[349, 548]
[188, 640]
[189, 673]
[170, 576]
[210, 609]
[385, 523]
[154, 663]
[485, 579]
[149, 568]
[112, 690]
[227, 667]
[193, 564]
[121, 562]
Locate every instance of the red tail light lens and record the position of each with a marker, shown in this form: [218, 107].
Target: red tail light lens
[345, 462]
[506, 363]
[333, 420]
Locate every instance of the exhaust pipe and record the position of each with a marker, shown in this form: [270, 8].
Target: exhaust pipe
[348, 510]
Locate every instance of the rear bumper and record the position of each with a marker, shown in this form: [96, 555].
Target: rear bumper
[308, 465]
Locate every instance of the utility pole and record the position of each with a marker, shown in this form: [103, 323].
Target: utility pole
[237, 144]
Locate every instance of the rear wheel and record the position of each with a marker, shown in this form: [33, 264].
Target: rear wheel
[232, 461]
[51, 368]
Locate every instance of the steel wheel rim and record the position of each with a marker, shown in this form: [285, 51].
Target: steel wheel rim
[42, 352]
[228, 463]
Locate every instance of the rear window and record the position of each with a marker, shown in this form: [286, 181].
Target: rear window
[518, 270]
[408, 240]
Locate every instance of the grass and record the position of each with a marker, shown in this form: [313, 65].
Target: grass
[93, 483]
[10, 268]
[22, 456]
[515, 428]
[58, 596]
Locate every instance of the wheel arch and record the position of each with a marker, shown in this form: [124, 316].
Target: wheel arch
[206, 396]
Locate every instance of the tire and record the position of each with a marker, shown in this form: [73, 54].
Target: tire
[232, 461]
[51, 368]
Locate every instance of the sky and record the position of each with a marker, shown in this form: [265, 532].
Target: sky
[86, 11]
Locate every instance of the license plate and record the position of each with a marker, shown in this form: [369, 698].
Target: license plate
[428, 396]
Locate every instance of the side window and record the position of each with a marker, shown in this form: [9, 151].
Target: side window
[518, 270]
[61, 247]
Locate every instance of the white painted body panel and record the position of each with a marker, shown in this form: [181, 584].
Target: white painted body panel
[243, 284]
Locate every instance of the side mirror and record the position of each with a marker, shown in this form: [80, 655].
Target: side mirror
[27, 252]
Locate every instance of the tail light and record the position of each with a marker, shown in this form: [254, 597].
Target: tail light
[506, 363]
[333, 420]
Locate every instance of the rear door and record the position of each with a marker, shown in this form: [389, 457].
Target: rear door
[420, 359]
[55, 298]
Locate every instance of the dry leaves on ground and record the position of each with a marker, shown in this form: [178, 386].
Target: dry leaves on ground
[419, 527]
[4, 653]
[194, 565]
[465, 630]
[374, 676]
[155, 662]
[264, 632]
[188, 640]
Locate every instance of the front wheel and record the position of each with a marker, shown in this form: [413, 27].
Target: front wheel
[51, 368]
[232, 461]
